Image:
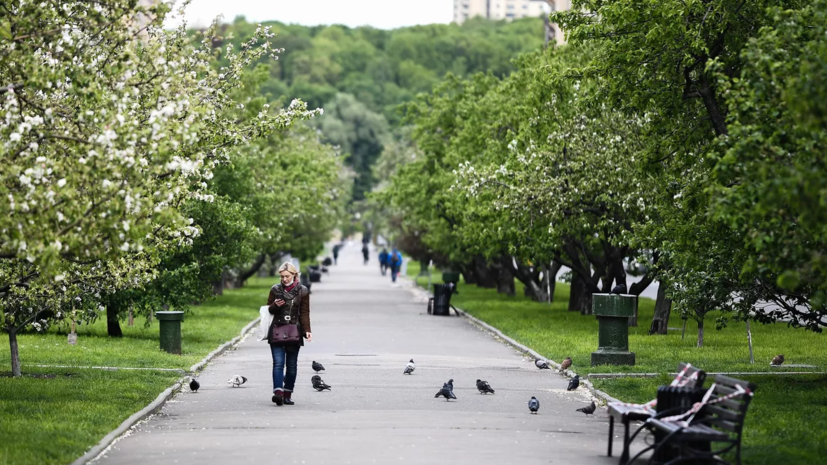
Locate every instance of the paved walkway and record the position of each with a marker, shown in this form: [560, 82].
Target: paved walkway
[365, 330]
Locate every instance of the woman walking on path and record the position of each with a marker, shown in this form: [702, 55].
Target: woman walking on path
[289, 303]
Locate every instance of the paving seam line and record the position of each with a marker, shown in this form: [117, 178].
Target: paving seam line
[161, 400]
[598, 394]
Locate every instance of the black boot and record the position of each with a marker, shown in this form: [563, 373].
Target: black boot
[287, 398]
[277, 397]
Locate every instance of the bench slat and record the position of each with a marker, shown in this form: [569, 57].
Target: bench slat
[723, 424]
[723, 413]
[694, 432]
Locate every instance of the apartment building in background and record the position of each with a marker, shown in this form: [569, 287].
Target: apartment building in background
[511, 9]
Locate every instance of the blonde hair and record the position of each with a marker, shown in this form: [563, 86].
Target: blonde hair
[289, 267]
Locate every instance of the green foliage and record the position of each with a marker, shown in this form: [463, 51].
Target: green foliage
[358, 132]
[112, 140]
[361, 76]
[383, 69]
[768, 180]
[54, 417]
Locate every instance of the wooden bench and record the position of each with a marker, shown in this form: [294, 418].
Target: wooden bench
[719, 419]
[688, 375]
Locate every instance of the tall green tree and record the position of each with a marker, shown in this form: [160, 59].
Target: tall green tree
[360, 134]
[110, 124]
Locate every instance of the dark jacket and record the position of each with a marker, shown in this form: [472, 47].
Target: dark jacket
[300, 307]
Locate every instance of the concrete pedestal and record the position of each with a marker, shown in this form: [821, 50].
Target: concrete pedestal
[613, 312]
[170, 323]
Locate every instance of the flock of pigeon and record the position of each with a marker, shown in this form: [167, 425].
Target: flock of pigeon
[447, 390]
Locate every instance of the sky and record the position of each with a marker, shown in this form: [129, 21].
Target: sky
[382, 14]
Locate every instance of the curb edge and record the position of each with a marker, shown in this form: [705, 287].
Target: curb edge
[160, 401]
[153, 407]
[598, 394]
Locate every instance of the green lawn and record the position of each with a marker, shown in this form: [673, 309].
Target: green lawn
[204, 328]
[54, 415]
[788, 417]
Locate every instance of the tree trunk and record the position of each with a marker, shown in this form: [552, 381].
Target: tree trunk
[217, 288]
[15, 352]
[749, 342]
[468, 274]
[633, 319]
[701, 332]
[227, 279]
[486, 276]
[585, 302]
[533, 288]
[580, 298]
[663, 308]
[113, 325]
[550, 280]
[505, 277]
[245, 275]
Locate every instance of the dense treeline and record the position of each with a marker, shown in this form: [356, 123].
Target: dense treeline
[679, 141]
[360, 76]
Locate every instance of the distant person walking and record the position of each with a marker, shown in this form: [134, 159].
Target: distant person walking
[289, 303]
[336, 253]
[365, 252]
[395, 263]
[383, 261]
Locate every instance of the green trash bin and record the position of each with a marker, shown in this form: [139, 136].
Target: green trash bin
[613, 312]
[170, 323]
[450, 277]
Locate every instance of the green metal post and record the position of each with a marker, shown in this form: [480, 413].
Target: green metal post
[613, 312]
[170, 331]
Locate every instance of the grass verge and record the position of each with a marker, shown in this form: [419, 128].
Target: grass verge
[788, 417]
[53, 415]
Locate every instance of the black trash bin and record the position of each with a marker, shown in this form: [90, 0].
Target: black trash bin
[315, 276]
[440, 303]
[305, 281]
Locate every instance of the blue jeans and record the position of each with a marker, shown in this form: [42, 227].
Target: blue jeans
[285, 356]
[394, 273]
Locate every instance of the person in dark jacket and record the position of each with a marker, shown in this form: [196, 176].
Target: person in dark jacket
[289, 301]
[383, 261]
[365, 252]
[336, 253]
[395, 263]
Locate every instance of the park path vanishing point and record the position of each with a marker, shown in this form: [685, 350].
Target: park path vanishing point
[365, 330]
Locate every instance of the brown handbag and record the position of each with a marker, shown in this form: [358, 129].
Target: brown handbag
[287, 334]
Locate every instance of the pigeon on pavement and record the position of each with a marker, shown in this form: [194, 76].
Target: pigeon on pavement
[484, 387]
[619, 289]
[573, 383]
[447, 392]
[317, 367]
[194, 385]
[541, 364]
[410, 367]
[237, 380]
[588, 410]
[450, 383]
[566, 364]
[533, 405]
[777, 360]
[318, 384]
